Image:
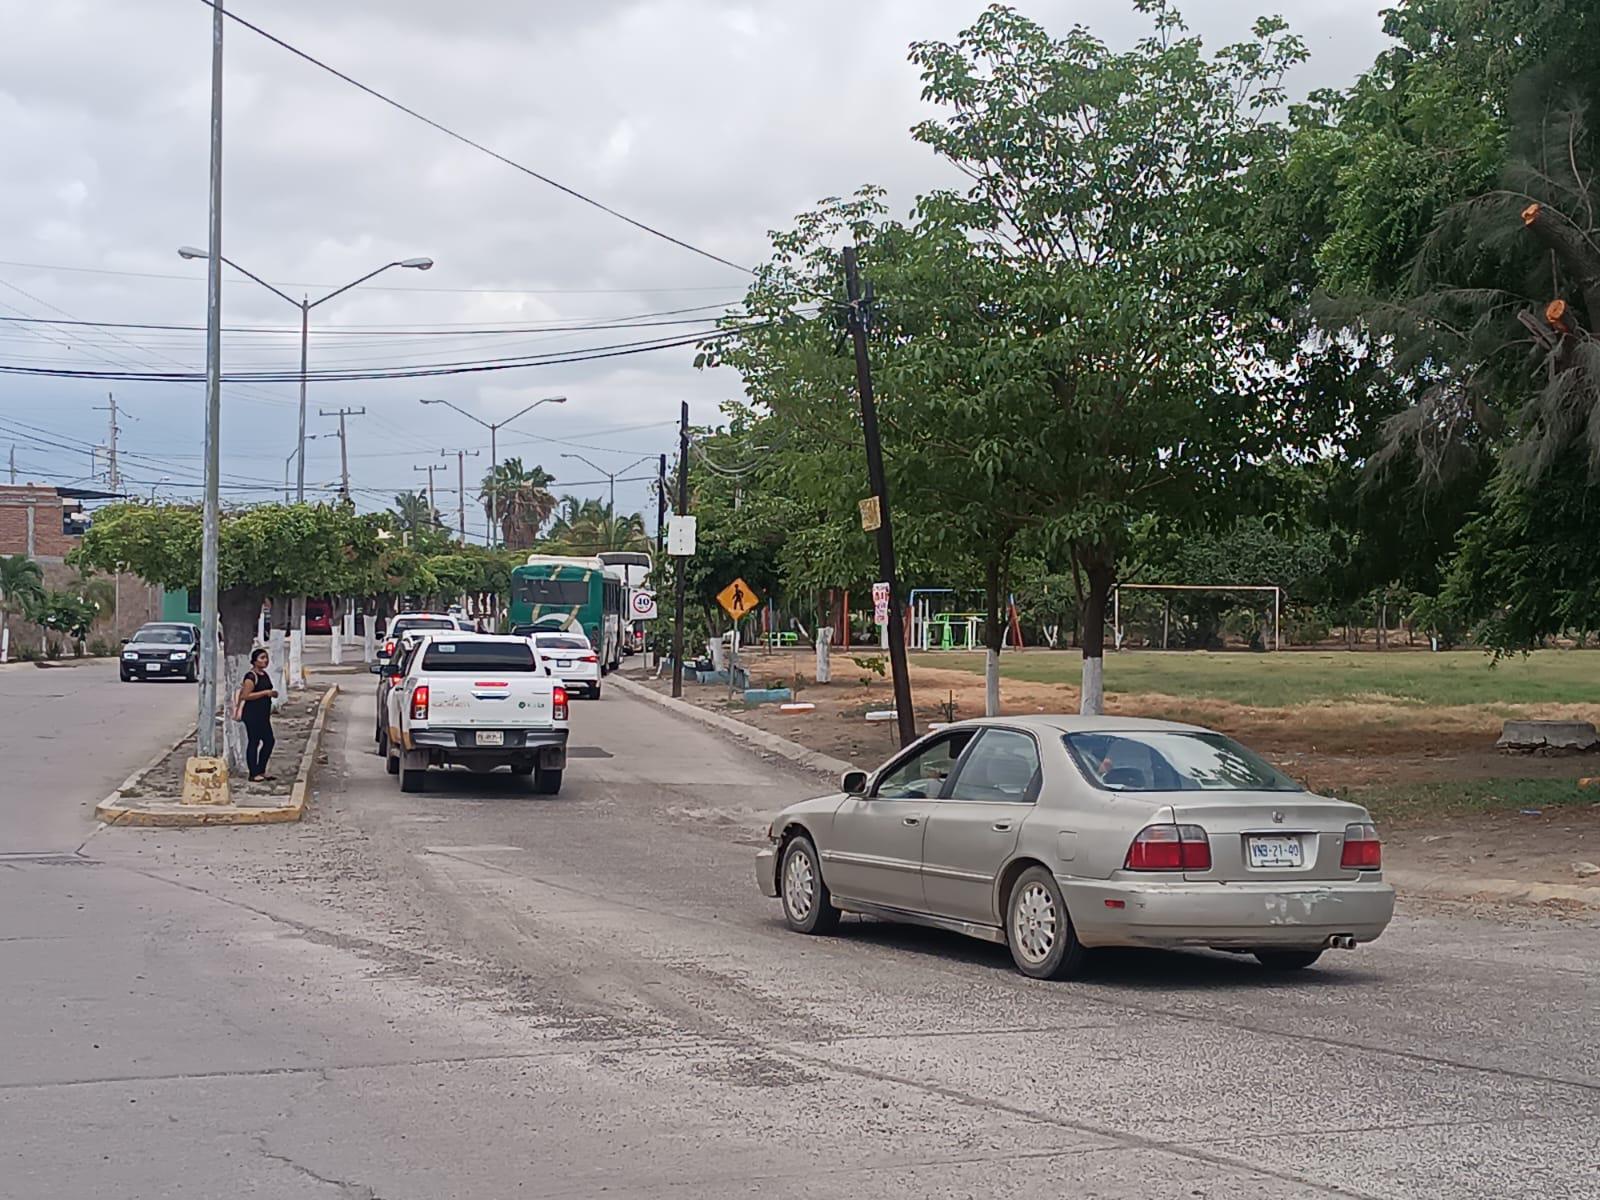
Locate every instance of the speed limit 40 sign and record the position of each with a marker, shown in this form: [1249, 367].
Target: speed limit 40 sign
[642, 606]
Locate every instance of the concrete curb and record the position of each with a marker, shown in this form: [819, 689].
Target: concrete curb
[1504, 891]
[821, 764]
[169, 814]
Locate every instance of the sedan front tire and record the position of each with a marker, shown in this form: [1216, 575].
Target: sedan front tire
[807, 903]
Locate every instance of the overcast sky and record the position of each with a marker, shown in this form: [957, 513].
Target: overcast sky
[713, 120]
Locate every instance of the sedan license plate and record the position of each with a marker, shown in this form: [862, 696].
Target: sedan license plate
[1275, 851]
[152, 666]
[563, 662]
[491, 737]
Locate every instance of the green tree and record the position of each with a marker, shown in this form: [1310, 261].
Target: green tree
[519, 498]
[21, 585]
[413, 513]
[265, 550]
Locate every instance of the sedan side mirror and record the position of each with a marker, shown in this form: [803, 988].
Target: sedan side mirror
[125, 641]
[854, 783]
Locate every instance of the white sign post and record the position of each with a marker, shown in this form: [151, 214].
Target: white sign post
[880, 611]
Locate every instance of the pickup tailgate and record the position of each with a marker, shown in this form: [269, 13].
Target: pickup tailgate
[489, 701]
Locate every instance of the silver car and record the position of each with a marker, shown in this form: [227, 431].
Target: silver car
[1055, 835]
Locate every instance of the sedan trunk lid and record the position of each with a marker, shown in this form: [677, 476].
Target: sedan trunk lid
[1266, 836]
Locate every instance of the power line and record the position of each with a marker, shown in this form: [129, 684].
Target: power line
[473, 367]
[479, 146]
[374, 287]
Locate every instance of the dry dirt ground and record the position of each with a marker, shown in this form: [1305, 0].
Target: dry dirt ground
[291, 727]
[1343, 747]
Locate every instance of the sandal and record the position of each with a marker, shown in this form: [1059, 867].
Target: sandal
[258, 779]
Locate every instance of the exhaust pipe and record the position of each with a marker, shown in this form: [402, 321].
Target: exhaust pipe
[1341, 941]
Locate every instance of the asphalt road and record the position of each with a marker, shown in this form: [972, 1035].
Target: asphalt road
[475, 992]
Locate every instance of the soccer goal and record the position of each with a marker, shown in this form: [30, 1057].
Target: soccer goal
[1166, 616]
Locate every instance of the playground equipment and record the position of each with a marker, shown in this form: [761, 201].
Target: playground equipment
[933, 629]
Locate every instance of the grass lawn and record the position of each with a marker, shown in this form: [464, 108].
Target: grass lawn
[1315, 676]
[1414, 802]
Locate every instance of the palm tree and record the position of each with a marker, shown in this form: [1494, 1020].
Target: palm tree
[590, 531]
[520, 498]
[413, 513]
[21, 586]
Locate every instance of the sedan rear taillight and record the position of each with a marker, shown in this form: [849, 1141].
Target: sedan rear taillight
[590, 658]
[1362, 849]
[419, 703]
[558, 699]
[1169, 848]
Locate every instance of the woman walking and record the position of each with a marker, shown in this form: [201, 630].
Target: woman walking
[254, 705]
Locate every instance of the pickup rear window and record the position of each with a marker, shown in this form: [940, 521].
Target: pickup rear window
[479, 656]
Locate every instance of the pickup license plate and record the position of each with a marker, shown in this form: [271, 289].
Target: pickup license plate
[491, 737]
[563, 662]
[1275, 851]
[152, 666]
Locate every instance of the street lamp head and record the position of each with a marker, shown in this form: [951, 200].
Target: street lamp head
[191, 252]
[430, 401]
[555, 400]
[417, 264]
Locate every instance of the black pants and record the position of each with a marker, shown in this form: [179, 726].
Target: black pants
[258, 745]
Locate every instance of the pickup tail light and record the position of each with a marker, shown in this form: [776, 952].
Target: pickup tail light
[419, 703]
[1169, 848]
[1363, 851]
[558, 700]
[388, 648]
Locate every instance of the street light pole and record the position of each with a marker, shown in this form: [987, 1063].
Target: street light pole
[495, 427]
[305, 305]
[211, 520]
[611, 478]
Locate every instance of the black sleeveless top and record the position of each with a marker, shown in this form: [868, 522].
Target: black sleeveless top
[260, 709]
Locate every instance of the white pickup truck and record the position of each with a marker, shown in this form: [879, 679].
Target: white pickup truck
[477, 701]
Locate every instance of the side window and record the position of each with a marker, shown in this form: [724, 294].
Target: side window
[1003, 767]
[922, 776]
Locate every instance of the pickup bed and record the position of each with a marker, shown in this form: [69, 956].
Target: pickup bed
[477, 701]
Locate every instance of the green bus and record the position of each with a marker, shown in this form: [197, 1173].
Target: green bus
[549, 592]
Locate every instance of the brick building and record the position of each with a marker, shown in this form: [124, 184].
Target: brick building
[45, 523]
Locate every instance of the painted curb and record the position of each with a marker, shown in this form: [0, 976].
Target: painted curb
[1505, 891]
[171, 815]
[812, 760]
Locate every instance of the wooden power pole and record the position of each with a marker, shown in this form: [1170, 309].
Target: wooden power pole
[678, 584]
[905, 718]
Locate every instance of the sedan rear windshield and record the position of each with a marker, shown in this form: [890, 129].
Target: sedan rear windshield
[563, 643]
[478, 656]
[1175, 761]
[165, 637]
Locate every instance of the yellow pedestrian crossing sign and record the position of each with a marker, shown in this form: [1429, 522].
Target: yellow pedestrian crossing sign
[739, 599]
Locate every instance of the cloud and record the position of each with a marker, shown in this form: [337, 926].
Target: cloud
[715, 120]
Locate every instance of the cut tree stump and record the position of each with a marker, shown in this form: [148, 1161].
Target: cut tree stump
[1548, 737]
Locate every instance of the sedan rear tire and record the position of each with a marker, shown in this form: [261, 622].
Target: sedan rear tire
[1287, 960]
[1043, 943]
[807, 903]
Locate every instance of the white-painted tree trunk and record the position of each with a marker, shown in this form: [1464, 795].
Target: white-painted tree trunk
[824, 664]
[369, 649]
[276, 641]
[5, 642]
[1093, 699]
[336, 644]
[233, 740]
[295, 675]
[991, 683]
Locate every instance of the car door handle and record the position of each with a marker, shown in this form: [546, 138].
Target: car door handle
[911, 820]
[1001, 827]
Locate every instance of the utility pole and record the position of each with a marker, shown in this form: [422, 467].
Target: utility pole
[430, 468]
[905, 717]
[677, 587]
[661, 512]
[461, 486]
[211, 523]
[344, 453]
[13, 462]
[113, 475]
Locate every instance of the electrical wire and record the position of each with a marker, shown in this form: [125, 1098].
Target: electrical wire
[479, 146]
